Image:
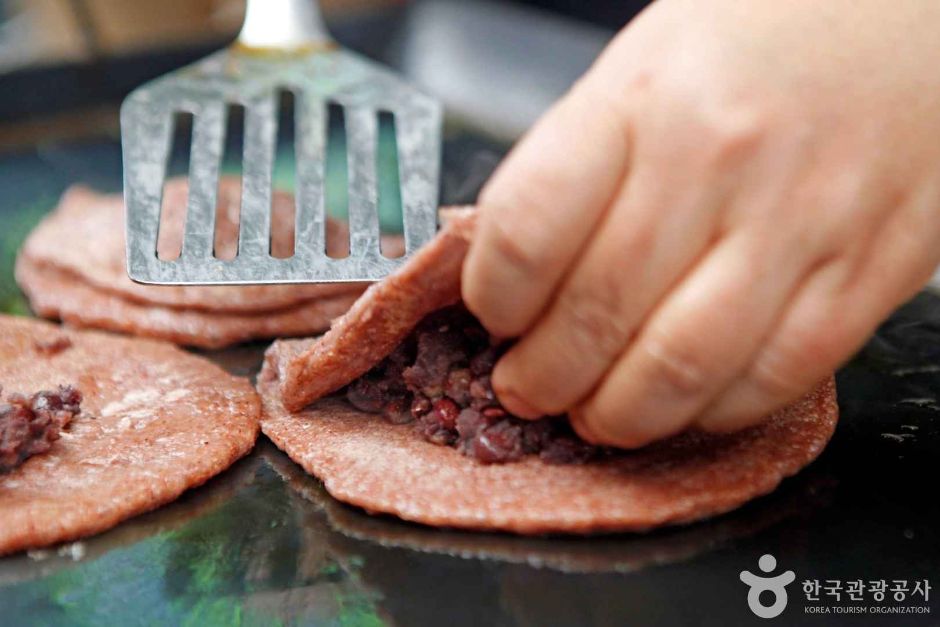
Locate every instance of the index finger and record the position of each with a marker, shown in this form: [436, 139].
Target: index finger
[541, 206]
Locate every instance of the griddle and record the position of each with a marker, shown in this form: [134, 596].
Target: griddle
[263, 544]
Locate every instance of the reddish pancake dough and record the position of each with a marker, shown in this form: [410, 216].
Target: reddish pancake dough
[93, 226]
[571, 554]
[382, 467]
[155, 421]
[384, 315]
[56, 294]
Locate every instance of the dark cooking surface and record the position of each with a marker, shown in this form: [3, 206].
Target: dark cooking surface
[262, 544]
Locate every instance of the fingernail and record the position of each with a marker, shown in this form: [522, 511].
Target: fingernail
[581, 426]
[516, 406]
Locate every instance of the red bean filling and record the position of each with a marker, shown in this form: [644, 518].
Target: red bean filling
[52, 346]
[439, 379]
[29, 425]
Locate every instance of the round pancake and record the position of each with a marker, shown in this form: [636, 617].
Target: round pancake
[56, 294]
[368, 462]
[155, 421]
[164, 520]
[93, 225]
[614, 553]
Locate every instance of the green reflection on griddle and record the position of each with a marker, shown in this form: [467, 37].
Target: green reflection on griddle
[244, 562]
[16, 225]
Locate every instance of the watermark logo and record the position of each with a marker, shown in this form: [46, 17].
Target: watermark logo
[776, 585]
[767, 593]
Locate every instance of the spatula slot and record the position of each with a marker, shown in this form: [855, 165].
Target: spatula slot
[227, 206]
[361, 141]
[310, 130]
[284, 214]
[336, 168]
[170, 229]
[389, 200]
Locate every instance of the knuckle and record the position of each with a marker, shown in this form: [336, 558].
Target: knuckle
[511, 248]
[792, 237]
[527, 183]
[597, 97]
[734, 137]
[772, 374]
[499, 320]
[596, 318]
[812, 342]
[480, 297]
[782, 369]
[838, 211]
[674, 364]
[512, 238]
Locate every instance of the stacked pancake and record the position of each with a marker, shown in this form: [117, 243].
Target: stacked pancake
[72, 267]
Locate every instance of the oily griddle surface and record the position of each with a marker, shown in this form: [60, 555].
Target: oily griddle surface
[247, 546]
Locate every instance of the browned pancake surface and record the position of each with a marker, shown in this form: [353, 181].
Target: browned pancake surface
[155, 422]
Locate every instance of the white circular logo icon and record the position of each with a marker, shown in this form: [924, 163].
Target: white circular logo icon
[777, 585]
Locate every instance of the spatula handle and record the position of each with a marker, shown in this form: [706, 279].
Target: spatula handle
[283, 25]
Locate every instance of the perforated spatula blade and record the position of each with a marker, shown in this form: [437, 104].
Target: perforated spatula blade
[282, 46]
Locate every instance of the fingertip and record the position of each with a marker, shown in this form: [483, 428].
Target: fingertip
[479, 301]
[469, 287]
[518, 407]
[581, 427]
[507, 392]
[488, 293]
[738, 408]
[721, 424]
[598, 429]
[477, 298]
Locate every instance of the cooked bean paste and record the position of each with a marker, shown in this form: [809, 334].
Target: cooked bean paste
[52, 346]
[29, 425]
[439, 379]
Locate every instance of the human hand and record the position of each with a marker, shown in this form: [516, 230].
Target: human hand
[716, 216]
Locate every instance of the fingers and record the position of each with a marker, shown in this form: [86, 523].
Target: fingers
[693, 345]
[651, 236]
[829, 318]
[807, 345]
[540, 208]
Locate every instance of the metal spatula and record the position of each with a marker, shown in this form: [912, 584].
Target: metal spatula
[282, 46]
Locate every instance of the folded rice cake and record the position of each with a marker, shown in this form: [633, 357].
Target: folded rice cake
[369, 461]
